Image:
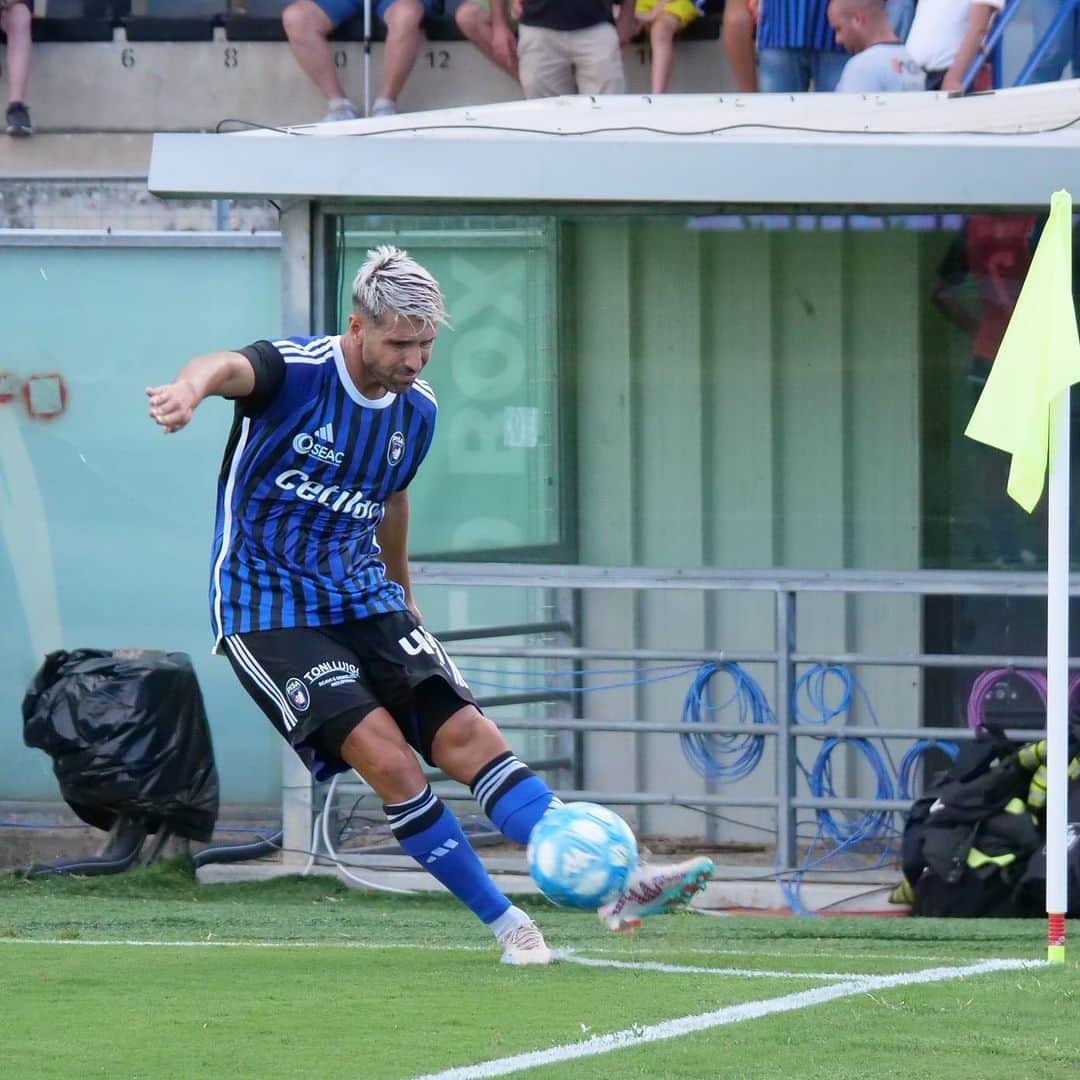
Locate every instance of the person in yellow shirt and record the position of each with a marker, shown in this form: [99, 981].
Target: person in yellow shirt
[665, 18]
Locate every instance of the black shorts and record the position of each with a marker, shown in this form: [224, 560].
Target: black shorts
[317, 683]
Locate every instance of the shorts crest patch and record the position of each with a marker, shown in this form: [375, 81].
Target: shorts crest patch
[298, 695]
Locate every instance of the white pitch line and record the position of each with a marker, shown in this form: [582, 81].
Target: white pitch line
[375, 946]
[686, 969]
[731, 1014]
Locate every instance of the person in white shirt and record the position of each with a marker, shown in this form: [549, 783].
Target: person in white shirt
[879, 63]
[946, 37]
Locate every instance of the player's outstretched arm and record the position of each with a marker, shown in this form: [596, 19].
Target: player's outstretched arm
[228, 374]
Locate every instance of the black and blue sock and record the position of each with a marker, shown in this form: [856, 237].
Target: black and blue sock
[512, 796]
[429, 833]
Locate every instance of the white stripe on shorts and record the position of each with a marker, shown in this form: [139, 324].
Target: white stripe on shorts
[243, 656]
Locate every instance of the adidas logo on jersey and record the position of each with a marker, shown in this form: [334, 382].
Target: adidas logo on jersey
[320, 445]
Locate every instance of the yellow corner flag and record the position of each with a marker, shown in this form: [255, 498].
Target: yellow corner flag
[1039, 357]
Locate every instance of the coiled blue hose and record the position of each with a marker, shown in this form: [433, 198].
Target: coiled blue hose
[906, 769]
[724, 757]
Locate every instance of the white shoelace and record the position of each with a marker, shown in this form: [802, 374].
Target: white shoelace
[524, 937]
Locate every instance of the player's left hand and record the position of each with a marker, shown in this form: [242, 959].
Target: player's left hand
[172, 405]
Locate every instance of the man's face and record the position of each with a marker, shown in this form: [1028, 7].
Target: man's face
[393, 348]
[845, 24]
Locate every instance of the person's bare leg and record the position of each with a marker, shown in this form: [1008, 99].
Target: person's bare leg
[15, 22]
[307, 27]
[738, 31]
[432, 836]
[402, 20]
[475, 23]
[662, 39]
[377, 750]
[466, 743]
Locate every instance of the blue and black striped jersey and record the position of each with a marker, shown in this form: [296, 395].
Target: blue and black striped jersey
[795, 24]
[307, 467]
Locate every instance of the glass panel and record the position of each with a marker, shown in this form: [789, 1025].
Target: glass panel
[490, 487]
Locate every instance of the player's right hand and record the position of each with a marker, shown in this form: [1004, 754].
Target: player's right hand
[171, 405]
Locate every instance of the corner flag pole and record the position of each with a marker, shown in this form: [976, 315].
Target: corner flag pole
[1024, 410]
[1057, 682]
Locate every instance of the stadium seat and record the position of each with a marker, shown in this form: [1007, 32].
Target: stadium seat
[254, 28]
[706, 29]
[353, 30]
[152, 28]
[174, 20]
[257, 9]
[260, 20]
[76, 21]
[439, 27]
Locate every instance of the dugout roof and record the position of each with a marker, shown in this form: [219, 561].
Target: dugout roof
[1007, 148]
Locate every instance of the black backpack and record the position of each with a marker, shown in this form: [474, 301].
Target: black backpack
[968, 841]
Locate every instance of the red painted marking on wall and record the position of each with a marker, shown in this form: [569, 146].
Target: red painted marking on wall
[44, 396]
[9, 386]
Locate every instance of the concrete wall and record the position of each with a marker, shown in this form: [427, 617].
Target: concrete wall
[179, 86]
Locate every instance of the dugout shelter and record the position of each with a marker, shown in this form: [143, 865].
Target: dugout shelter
[703, 398]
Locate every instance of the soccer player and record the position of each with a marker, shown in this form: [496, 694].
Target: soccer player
[310, 595]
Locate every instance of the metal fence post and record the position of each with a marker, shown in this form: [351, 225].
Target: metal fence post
[786, 839]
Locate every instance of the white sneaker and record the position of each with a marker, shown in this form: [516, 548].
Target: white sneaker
[384, 106]
[524, 944]
[653, 890]
[345, 111]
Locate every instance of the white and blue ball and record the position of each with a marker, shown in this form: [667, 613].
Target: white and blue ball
[580, 854]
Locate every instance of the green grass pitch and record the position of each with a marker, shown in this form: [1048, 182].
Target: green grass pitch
[303, 978]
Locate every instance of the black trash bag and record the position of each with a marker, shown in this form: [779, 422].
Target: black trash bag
[128, 735]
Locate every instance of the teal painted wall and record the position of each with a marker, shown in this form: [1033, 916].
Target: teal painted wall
[105, 525]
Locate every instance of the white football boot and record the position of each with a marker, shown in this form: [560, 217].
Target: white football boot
[524, 944]
[652, 890]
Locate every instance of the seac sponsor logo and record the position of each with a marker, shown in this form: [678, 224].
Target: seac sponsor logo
[340, 500]
[320, 445]
[396, 448]
[298, 695]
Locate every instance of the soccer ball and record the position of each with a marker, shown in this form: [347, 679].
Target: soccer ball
[581, 854]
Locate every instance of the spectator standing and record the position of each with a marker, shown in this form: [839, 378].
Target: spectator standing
[946, 36]
[879, 63]
[566, 46]
[738, 32]
[473, 18]
[1064, 47]
[664, 18]
[309, 23]
[15, 18]
[796, 47]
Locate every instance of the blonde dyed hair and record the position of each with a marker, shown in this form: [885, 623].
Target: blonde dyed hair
[391, 281]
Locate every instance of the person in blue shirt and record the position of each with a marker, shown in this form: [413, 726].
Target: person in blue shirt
[797, 49]
[310, 594]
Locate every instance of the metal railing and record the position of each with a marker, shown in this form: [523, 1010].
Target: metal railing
[786, 586]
